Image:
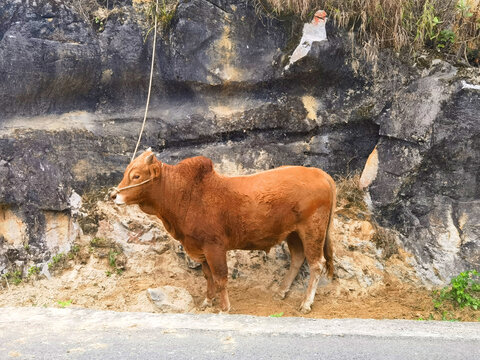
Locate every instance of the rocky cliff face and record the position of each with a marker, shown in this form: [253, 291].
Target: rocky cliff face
[72, 100]
[427, 184]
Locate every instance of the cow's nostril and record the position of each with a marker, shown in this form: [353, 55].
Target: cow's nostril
[113, 195]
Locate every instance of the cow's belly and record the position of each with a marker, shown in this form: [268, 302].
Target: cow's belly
[254, 242]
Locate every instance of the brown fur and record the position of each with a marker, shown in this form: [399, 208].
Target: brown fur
[211, 214]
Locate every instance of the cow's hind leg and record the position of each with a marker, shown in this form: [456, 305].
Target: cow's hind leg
[208, 302]
[297, 257]
[313, 239]
[217, 262]
[315, 273]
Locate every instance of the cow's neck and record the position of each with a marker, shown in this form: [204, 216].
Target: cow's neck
[169, 203]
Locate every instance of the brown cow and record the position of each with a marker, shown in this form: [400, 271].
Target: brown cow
[210, 214]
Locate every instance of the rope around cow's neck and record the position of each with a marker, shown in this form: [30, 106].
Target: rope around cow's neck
[149, 85]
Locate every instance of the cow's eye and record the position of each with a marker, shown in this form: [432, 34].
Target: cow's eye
[136, 177]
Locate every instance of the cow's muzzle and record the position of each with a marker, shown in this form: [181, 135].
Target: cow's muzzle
[116, 197]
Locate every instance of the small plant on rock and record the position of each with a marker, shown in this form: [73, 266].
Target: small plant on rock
[14, 277]
[33, 271]
[464, 291]
[164, 14]
[277, 315]
[56, 261]
[112, 261]
[64, 304]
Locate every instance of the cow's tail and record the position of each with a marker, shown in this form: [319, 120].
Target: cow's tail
[327, 246]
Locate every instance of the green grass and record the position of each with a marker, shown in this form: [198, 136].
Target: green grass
[14, 277]
[277, 315]
[56, 261]
[33, 270]
[64, 304]
[112, 261]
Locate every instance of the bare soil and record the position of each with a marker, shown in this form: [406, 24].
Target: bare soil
[90, 286]
[369, 282]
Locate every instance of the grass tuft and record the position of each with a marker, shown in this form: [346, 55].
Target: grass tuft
[446, 26]
[350, 198]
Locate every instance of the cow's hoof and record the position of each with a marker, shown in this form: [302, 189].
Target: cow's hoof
[206, 304]
[225, 311]
[305, 309]
[279, 295]
[225, 308]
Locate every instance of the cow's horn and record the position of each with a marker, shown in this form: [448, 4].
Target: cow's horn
[149, 159]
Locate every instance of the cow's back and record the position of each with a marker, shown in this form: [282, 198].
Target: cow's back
[271, 204]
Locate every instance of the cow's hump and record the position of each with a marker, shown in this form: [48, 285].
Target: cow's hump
[198, 167]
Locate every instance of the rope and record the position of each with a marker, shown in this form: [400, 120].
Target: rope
[149, 85]
[132, 186]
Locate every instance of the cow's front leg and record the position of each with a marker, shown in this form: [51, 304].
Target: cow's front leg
[217, 262]
[208, 302]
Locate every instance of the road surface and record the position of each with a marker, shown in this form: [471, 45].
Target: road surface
[71, 333]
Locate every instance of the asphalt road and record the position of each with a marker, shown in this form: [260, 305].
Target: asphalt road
[44, 333]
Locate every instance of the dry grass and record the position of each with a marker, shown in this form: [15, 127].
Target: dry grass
[385, 240]
[448, 26]
[96, 12]
[350, 199]
[351, 204]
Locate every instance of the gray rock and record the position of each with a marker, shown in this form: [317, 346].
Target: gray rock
[236, 45]
[427, 182]
[172, 299]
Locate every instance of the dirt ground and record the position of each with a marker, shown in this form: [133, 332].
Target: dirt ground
[130, 252]
[90, 286]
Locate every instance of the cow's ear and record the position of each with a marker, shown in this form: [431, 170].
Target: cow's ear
[149, 159]
[156, 170]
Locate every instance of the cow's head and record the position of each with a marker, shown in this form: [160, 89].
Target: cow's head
[137, 179]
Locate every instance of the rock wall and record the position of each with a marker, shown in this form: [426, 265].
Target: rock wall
[72, 101]
[428, 178]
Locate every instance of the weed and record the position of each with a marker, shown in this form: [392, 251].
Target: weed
[464, 291]
[100, 23]
[14, 277]
[64, 304]
[73, 252]
[445, 38]
[57, 262]
[277, 315]
[112, 261]
[104, 248]
[164, 15]
[34, 270]
[464, 9]
[427, 24]
[99, 242]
